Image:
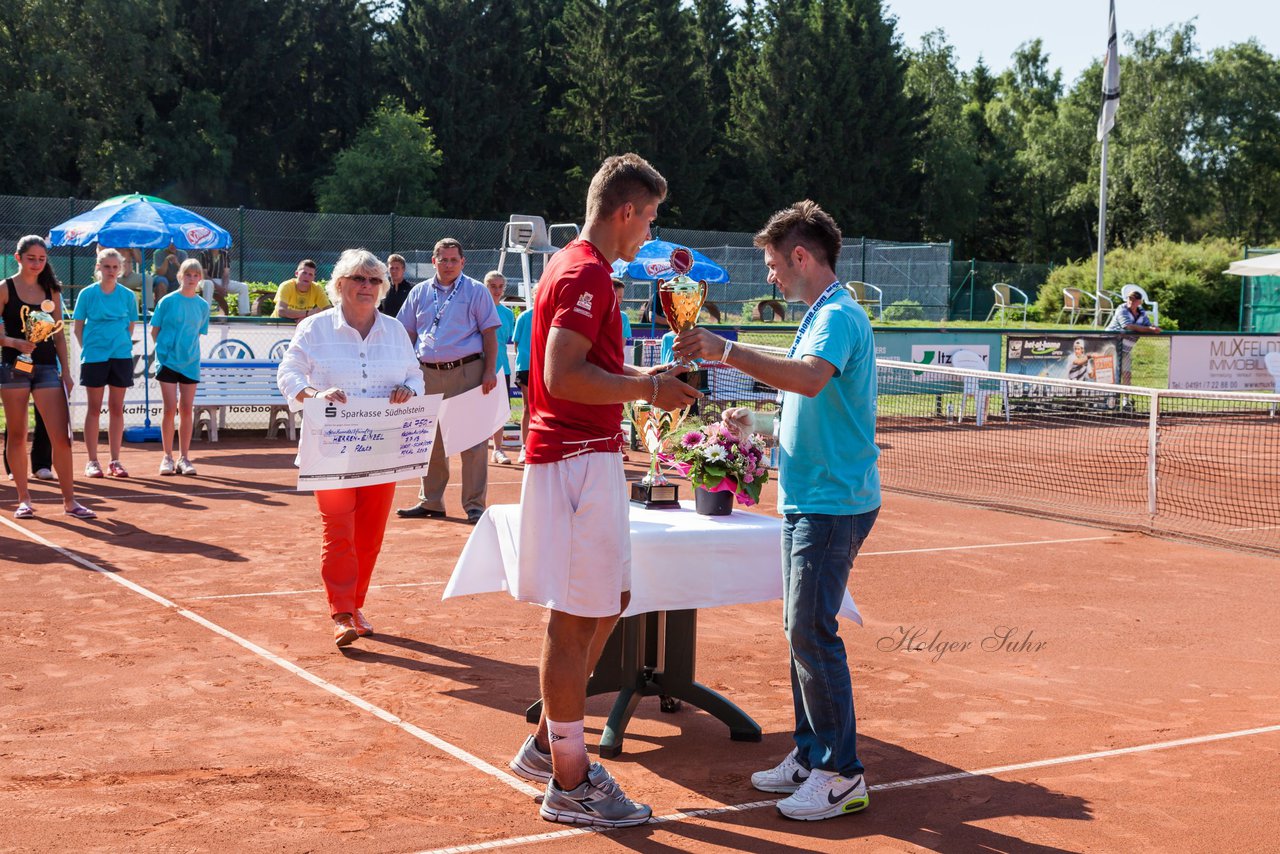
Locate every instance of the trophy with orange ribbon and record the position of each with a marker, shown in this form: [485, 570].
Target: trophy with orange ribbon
[37, 326]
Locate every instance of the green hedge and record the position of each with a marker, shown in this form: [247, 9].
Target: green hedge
[1185, 278]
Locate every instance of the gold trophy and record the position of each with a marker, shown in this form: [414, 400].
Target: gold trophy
[682, 299]
[653, 425]
[37, 326]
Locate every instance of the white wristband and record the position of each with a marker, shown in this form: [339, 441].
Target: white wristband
[724, 357]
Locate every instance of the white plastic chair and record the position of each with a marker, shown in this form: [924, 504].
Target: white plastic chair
[867, 296]
[527, 235]
[1273, 366]
[1155, 306]
[971, 361]
[1005, 301]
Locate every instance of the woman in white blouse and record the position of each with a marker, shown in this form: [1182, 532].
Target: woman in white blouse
[351, 350]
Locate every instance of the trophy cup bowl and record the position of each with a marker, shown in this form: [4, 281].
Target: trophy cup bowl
[37, 326]
[682, 300]
[653, 426]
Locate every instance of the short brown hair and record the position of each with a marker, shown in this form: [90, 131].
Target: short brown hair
[620, 179]
[307, 262]
[803, 224]
[447, 243]
[392, 259]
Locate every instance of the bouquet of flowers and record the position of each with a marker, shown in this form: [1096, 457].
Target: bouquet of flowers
[725, 456]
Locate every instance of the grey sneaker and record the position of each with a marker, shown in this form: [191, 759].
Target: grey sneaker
[44, 474]
[784, 779]
[531, 763]
[826, 795]
[185, 467]
[166, 467]
[597, 802]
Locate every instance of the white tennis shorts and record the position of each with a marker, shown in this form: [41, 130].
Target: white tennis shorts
[575, 535]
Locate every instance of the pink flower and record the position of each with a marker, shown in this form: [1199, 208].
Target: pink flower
[692, 439]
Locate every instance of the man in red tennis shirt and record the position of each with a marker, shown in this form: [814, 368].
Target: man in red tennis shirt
[575, 538]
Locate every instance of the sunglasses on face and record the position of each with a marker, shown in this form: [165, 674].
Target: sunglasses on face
[365, 280]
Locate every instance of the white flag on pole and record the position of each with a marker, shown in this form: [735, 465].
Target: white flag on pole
[1110, 79]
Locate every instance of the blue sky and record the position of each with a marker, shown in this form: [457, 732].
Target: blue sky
[1074, 34]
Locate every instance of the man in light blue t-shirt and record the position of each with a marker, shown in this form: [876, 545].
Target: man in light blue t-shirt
[828, 492]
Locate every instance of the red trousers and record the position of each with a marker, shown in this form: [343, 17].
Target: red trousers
[354, 521]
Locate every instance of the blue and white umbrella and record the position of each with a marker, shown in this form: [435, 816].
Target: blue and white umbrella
[140, 222]
[653, 261]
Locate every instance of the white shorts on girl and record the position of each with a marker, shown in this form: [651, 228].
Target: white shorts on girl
[575, 535]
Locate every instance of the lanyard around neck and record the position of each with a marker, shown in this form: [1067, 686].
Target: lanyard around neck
[807, 320]
[435, 297]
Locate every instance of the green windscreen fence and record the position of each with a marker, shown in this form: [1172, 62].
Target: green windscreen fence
[1260, 306]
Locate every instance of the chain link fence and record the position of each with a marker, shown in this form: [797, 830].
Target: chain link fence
[267, 246]
[971, 281]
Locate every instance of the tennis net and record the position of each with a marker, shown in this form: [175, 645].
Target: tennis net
[1193, 465]
[1200, 466]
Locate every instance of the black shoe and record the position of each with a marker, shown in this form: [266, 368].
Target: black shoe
[417, 511]
[473, 516]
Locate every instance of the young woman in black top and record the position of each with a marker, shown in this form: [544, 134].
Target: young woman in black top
[36, 287]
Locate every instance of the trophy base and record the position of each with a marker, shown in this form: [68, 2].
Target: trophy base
[655, 494]
[24, 367]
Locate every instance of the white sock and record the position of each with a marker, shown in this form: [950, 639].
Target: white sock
[568, 745]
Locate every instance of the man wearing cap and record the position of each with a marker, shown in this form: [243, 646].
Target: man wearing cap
[1130, 317]
[453, 325]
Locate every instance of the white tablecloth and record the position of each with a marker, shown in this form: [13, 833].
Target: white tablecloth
[679, 559]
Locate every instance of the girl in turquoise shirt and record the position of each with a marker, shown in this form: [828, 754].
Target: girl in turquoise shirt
[179, 320]
[105, 315]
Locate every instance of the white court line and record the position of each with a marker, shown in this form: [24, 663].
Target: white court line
[988, 546]
[126, 496]
[314, 590]
[880, 787]
[415, 731]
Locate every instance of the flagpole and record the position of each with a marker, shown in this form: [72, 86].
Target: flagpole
[1102, 233]
[1107, 120]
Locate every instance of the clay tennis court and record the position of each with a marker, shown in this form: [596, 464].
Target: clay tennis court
[169, 682]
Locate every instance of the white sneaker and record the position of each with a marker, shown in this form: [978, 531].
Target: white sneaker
[185, 467]
[826, 795]
[500, 457]
[166, 467]
[44, 474]
[785, 779]
[520, 459]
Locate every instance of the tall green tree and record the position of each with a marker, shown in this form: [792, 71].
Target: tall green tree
[390, 167]
[475, 68]
[1237, 151]
[948, 161]
[819, 110]
[634, 81]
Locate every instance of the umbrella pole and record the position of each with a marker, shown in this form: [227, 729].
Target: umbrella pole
[145, 433]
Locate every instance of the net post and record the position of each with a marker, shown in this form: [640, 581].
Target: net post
[1153, 423]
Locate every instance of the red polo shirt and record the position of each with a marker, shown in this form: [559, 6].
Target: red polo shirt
[575, 293]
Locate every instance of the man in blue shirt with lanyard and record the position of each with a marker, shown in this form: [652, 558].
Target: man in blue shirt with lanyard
[453, 325]
[828, 492]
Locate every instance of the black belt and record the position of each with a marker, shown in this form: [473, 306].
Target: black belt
[456, 363]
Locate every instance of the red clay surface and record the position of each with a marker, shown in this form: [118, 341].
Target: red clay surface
[128, 726]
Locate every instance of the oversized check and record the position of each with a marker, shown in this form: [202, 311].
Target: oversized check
[365, 441]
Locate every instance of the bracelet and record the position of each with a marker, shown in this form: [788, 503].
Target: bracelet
[724, 357]
[654, 400]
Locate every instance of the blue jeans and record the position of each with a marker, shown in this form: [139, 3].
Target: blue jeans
[817, 554]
